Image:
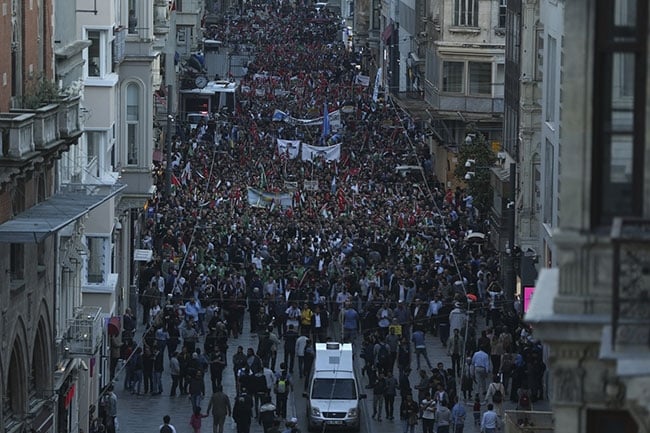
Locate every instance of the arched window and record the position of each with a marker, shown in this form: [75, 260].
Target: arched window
[132, 128]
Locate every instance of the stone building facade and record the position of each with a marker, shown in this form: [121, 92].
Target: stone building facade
[591, 307]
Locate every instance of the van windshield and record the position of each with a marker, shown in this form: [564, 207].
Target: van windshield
[334, 389]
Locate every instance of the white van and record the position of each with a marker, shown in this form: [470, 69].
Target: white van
[333, 397]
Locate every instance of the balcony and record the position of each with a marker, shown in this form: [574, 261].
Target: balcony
[17, 135]
[84, 331]
[69, 125]
[46, 124]
[630, 331]
[160, 18]
[470, 104]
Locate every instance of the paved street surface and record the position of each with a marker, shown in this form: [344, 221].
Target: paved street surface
[144, 413]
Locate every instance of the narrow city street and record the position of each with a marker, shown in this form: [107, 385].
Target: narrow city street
[139, 413]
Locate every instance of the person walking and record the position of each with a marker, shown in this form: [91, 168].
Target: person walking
[350, 323]
[166, 426]
[220, 406]
[267, 413]
[408, 414]
[308, 361]
[428, 411]
[420, 347]
[389, 396]
[455, 351]
[458, 415]
[110, 402]
[443, 417]
[197, 389]
[490, 420]
[196, 419]
[290, 338]
[301, 344]
[378, 392]
[282, 386]
[175, 371]
[242, 412]
[495, 395]
[158, 368]
[481, 369]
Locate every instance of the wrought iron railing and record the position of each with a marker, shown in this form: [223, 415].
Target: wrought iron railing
[85, 331]
[631, 283]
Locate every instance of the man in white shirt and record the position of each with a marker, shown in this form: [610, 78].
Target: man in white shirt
[293, 316]
[490, 421]
[301, 344]
[432, 313]
[481, 369]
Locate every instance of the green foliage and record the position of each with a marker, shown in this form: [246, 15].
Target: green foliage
[39, 91]
[479, 185]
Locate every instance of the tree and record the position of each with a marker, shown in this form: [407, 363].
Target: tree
[478, 183]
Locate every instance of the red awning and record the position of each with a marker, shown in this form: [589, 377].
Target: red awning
[387, 33]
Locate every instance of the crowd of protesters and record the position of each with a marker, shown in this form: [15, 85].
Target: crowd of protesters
[378, 254]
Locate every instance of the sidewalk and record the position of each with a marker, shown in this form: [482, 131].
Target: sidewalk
[145, 412]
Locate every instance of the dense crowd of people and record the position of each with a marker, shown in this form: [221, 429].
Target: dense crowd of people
[364, 252]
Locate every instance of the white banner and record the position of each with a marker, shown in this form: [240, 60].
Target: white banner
[310, 185]
[375, 91]
[329, 153]
[363, 80]
[335, 120]
[257, 198]
[290, 148]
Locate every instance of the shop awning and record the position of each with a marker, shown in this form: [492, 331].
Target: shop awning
[39, 221]
[387, 33]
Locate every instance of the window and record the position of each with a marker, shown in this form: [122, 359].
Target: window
[17, 261]
[18, 198]
[376, 14]
[551, 79]
[619, 110]
[132, 127]
[96, 259]
[453, 77]
[539, 58]
[334, 389]
[480, 78]
[99, 54]
[503, 11]
[133, 17]
[466, 13]
[93, 142]
[548, 182]
[499, 82]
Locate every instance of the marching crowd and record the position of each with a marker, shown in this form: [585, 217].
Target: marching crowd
[370, 254]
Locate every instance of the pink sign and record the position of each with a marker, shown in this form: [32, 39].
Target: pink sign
[528, 296]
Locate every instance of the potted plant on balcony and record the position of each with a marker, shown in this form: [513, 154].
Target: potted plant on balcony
[56, 110]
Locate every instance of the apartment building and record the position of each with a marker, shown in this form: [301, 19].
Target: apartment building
[590, 306]
[46, 334]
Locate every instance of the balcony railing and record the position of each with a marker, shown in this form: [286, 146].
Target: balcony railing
[46, 124]
[16, 134]
[631, 281]
[84, 331]
[69, 117]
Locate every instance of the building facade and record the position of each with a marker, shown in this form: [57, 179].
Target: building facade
[590, 308]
